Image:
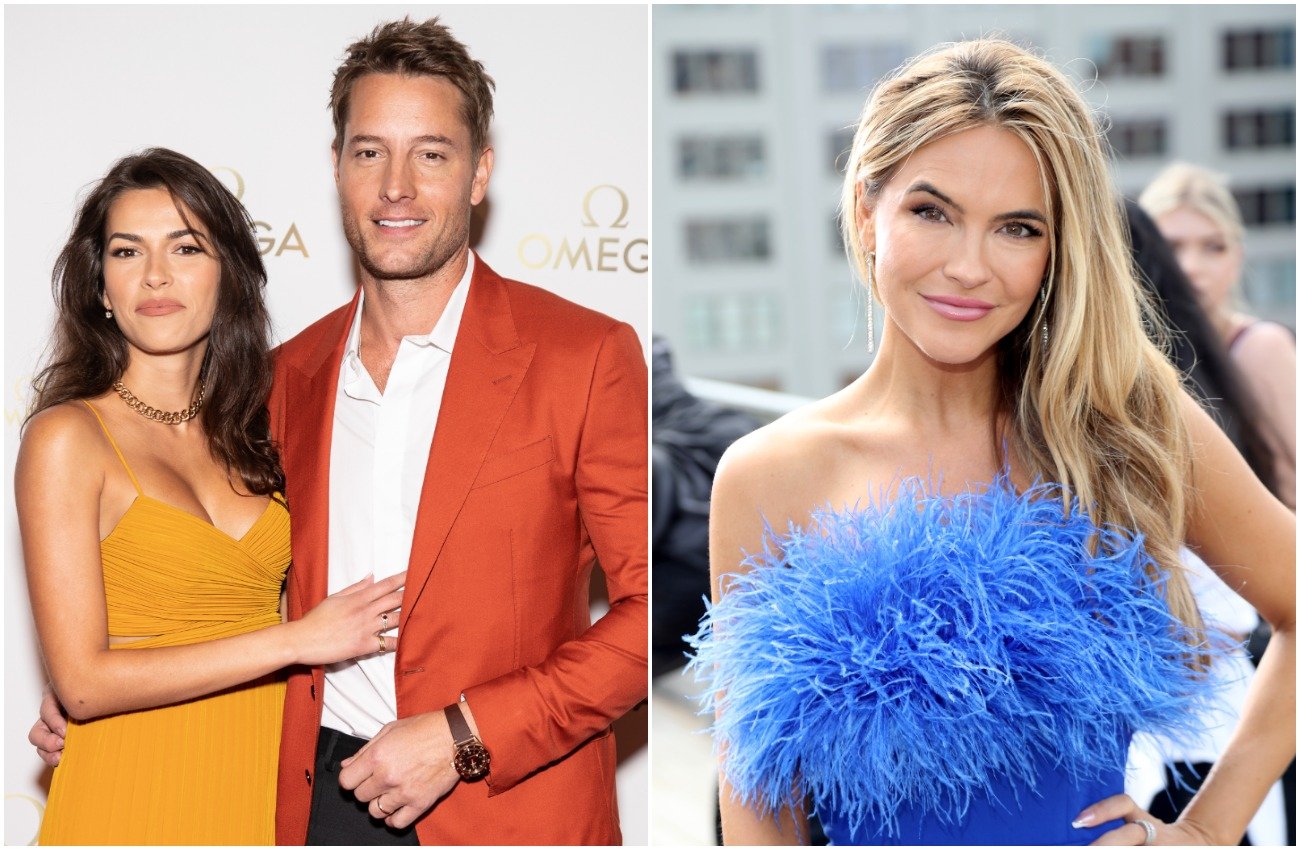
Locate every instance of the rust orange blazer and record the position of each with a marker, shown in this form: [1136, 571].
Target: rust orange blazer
[537, 470]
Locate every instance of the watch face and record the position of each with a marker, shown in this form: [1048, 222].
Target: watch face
[472, 760]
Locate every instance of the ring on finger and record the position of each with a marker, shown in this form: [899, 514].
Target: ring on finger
[383, 618]
[383, 644]
[381, 808]
[1150, 829]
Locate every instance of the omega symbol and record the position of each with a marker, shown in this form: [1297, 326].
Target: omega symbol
[238, 188]
[268, 243]
[589, 219]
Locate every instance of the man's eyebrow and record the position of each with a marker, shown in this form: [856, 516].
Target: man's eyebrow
[175, 234]
[431, 139]
[436, 139]
[922, 186]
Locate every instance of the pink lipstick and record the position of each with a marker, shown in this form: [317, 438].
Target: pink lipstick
[958, 309]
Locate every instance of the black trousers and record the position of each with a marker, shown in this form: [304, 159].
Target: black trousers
[337, 817]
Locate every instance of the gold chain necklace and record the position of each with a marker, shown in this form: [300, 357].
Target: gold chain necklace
[168, 417]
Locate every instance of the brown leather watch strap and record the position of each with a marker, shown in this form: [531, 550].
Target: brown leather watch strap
[460, 731]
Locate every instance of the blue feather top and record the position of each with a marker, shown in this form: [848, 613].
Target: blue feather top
[911, 653]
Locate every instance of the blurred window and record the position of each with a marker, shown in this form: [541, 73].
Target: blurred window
[853, 68]
[715, 71]
[1263, 206]
[1270, 288]
[1255, 49]
[1250, 129]
[727, 240]
[1130, 56]
[733, 321]
[728, 157]
[1138, 137]
[839, 141]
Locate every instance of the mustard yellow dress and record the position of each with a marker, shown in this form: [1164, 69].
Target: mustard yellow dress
[201, 771]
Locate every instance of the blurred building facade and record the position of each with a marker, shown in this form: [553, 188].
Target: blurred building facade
[754, 110]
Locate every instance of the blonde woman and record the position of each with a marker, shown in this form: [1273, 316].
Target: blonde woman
[1199, 218]
[947, 595]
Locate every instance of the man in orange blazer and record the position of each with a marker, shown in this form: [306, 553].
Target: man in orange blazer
[501, 430]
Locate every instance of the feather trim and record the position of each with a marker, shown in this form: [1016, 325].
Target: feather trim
[911, 651]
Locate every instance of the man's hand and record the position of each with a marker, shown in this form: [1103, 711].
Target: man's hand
[48, 732]
[404, 769]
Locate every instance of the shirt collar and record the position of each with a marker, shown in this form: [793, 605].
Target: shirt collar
[443, 335]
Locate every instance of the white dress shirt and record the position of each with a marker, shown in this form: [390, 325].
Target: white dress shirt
[378, 455]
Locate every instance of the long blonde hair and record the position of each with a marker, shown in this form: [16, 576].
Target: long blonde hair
[1096, 408]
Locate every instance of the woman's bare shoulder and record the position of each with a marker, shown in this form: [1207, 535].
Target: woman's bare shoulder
[71, 420]
[1267, 335]
[1266, 348]
[795, 444]
[61, 439]
[781, 471]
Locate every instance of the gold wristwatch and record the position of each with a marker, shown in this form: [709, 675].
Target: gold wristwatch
[471, 759]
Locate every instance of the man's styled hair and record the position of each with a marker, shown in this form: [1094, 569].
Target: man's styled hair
[428, 48]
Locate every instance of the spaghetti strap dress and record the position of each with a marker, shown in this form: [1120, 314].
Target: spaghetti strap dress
[202, 771]
[945, 671]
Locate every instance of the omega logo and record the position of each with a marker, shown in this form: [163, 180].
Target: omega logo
[604, 206]
[17, 403]
[620, 219]
[292, 240]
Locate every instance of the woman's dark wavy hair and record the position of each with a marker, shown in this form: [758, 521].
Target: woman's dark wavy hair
[88, 352]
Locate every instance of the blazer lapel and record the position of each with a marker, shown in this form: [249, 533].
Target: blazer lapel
[305, 453]
[488, 364]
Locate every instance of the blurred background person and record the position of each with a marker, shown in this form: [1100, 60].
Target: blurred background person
[690, 435]
[1202, 223]
[1165, 773]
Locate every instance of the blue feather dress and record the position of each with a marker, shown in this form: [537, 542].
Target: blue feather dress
[963, 670]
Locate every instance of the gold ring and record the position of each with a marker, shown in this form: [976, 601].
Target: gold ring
[383, 644]
[381, 807]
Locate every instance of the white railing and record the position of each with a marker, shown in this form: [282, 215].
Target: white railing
[763, 404]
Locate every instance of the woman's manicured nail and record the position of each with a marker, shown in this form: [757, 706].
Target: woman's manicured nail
[1083, 820]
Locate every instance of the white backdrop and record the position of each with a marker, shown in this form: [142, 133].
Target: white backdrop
[244, 90]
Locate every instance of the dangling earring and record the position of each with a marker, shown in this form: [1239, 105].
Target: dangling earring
[871, 297]
[108, 314]
[1042, 299]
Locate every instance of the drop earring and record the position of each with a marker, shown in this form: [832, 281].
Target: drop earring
[871, 297]
[1042, 299]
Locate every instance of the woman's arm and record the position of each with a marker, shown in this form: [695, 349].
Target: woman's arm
[58, 481]
[736, 526]
[1248, 537]
[1266, 357]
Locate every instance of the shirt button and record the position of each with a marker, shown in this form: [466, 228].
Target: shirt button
[308, 774]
